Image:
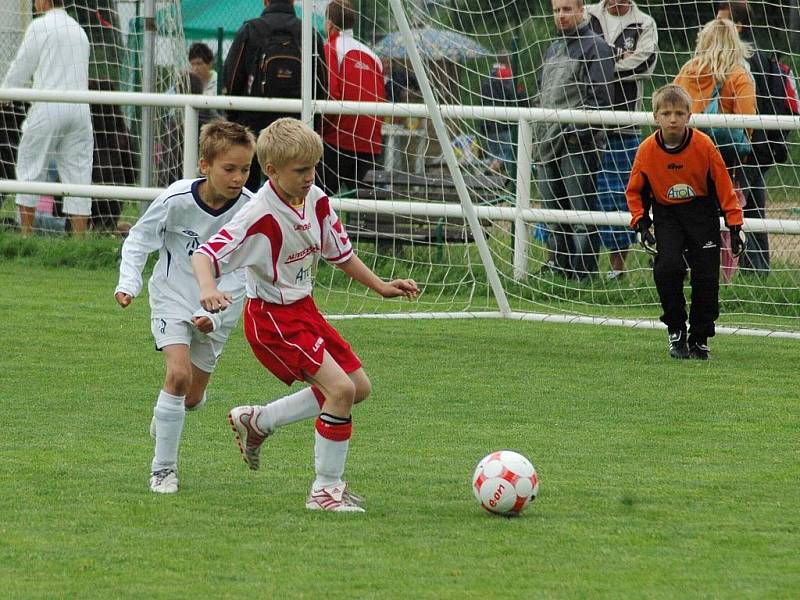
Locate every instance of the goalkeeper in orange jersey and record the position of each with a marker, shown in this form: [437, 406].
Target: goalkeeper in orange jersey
[679, 173]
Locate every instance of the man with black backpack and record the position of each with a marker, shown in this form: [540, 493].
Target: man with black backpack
[264, 61]
[769, 146]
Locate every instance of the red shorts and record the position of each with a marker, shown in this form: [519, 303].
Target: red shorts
[289, 339]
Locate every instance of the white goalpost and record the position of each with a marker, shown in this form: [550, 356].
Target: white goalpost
[454, 198]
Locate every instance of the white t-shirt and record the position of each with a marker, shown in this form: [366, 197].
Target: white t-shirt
[279, 245]
[176, 224]
[54, 52]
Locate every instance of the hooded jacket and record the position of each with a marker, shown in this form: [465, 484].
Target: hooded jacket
[577, 72]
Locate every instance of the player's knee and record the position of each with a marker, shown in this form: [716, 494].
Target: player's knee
[362, 390]
[178, 381]
[343, 392]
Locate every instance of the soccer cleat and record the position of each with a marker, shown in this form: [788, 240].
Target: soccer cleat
[699, 350]
[678, 348]
[334, 498]
[153, 428]
[164, 481]
[248, 436]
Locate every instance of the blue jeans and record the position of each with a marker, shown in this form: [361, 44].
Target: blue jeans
[616, 164]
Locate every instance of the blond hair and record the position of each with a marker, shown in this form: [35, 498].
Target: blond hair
[219, 135]
[719, 50]
[287, 140]
[673, 95]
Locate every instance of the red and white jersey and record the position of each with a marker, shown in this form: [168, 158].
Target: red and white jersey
[354, 73]
[279, 245]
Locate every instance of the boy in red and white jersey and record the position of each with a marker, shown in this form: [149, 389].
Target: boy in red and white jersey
[278, 237]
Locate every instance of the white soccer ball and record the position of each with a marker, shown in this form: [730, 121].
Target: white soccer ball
[505, 482]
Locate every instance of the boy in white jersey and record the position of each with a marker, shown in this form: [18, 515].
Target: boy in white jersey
[191, 339]
[279, 236]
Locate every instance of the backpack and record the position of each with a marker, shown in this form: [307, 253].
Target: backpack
[776, 93]
[277, 64]
[726, 139]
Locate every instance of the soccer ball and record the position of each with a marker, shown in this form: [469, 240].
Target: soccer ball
[505, 482]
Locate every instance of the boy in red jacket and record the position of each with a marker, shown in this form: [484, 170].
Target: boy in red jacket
[355, 73]
[680, 174]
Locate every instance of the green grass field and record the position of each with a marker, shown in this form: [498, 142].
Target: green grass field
[659, 478]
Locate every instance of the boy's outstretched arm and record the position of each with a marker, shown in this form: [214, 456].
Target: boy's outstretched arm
[211, 298]
[357, 270]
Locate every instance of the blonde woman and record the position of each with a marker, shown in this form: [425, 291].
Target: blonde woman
[719, 67]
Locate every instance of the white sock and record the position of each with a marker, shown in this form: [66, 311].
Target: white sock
[289, 409]
[330, 455]
[169, 413]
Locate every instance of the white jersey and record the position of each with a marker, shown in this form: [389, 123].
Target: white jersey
[279, 245]
[176, 224]
[55, 52]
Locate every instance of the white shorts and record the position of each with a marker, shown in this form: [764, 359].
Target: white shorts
[204, 350]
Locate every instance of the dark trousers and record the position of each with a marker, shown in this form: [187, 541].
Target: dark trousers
[568, 183]
[688, 234]
[756, 257]
[343, 169]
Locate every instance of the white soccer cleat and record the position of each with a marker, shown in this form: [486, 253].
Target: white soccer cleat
[335, 498]
[153, 428]
[248, 436]
[164, 481]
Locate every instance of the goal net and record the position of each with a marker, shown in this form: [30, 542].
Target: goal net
[451, 148]
[482, 55]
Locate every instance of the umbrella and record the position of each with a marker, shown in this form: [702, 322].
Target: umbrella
[433, 44]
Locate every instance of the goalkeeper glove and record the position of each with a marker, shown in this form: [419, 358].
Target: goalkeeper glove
[645, 237]
[738, 241]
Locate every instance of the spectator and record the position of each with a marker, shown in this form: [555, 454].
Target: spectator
[55, 53]
[633, 37]
[498, 89]
[201, 59]
[264, 61]
[754, 170]
[719, 68]
[355, 73]
[680, 174]
[577, 73]
[114, 162]
[719, 74]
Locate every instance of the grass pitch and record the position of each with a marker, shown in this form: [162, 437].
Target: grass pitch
[659, 478]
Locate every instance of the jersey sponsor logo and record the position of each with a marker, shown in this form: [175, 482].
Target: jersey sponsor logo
[194, 243]
[681, 191]
[302, 226]
[303, 274]
[674, 166]
[302, 254]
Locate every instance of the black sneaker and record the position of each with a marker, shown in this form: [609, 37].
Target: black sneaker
[678, 348]
[698, 349]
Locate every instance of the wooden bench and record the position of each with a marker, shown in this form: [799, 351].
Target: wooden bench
[387, 230]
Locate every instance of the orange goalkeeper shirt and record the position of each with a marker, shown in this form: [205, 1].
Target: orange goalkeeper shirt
[692, 171]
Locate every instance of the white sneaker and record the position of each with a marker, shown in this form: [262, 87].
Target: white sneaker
[153, 427]
[248, 436]
[164, 481]
[335, 498]
[613, 274]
